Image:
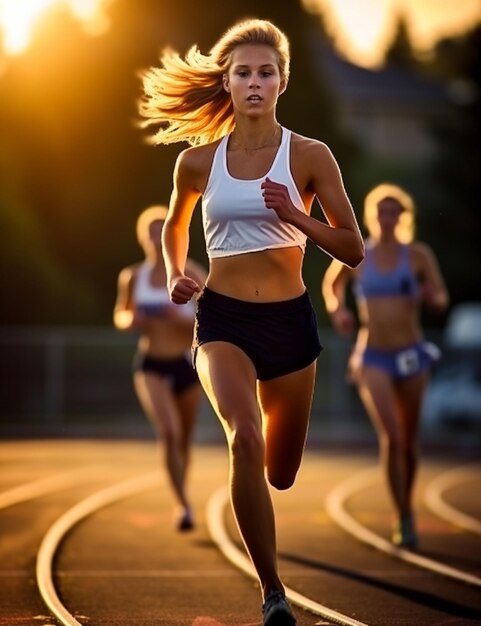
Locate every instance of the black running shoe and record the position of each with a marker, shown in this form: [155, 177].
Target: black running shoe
[405, 535]
[185, 522]
[276, 610]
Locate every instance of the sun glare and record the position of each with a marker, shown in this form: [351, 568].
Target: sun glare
[362, 27]
[363, 31]
[18, 19]
[431, 20]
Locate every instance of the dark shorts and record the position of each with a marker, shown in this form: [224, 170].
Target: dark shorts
[401, 363]
[178, 373]
[278, 337]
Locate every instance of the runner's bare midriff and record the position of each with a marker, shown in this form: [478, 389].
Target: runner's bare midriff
[165, 339]
[391, 324]
[265, 276]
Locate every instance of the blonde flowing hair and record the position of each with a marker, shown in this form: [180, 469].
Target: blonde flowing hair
[405, 229]
[186, 97]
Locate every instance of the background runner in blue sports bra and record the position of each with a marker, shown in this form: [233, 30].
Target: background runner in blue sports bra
[256, 341]
[390, 360]
[165, 382]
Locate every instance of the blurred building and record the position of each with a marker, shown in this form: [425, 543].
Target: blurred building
[390, 110]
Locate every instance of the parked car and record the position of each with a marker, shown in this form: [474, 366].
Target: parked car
[453, 398]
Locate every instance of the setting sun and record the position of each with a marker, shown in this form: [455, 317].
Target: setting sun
[18, 18]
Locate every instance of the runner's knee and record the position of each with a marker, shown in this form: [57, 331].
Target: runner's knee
[281, 478]
[246, 443]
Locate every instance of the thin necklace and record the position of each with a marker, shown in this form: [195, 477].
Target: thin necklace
[269, 143]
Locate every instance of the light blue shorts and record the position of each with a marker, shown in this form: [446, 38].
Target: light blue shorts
[402, 363]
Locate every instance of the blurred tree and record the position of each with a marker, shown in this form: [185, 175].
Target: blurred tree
[454, 182]
[67, 111]
[400, 53]
[31, 276]
[68, 116]
[447, 186]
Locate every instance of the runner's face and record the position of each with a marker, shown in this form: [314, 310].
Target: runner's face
[155, 230]
[253, 79]
[388, 212]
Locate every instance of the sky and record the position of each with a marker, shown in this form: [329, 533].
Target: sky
[19, 17]
[361, 29]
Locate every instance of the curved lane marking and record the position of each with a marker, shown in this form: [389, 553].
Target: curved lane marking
[215, 523]
[66, 522]
[335, 506]
[434, 499]
[42, 487]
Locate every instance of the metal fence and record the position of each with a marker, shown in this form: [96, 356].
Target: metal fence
[60, 379]
[76, 381]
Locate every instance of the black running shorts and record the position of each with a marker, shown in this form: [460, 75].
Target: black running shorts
[278, 337]
[177, 372]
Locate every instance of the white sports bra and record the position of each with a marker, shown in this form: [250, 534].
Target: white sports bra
[234, 215]
[153, 300]
[144, 292]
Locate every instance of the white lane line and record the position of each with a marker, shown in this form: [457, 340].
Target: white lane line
[42, 487]
[215, 523]
[66, 522]
[434, 499]
[155, 573]
[335, 506]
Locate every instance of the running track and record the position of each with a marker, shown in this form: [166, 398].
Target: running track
[86, 538]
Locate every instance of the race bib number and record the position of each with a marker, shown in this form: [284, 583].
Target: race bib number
[407, 362]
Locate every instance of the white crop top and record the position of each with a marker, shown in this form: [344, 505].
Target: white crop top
[235, 218]
[154, 300]
[144, 292]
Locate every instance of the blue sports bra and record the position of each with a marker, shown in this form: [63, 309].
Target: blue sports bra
[373, 283]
